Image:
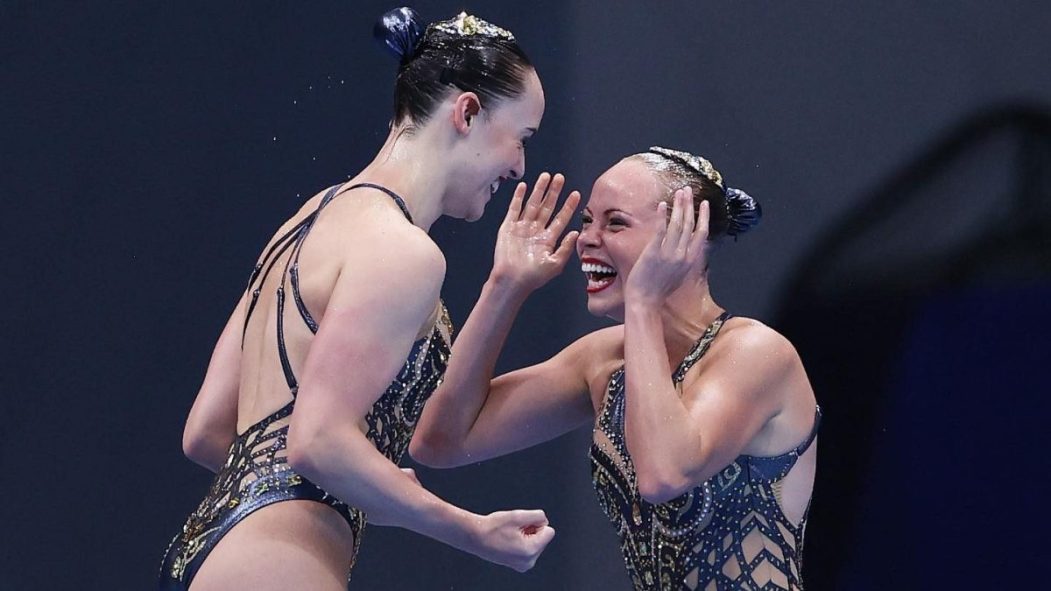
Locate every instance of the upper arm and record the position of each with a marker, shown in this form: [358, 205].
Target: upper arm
[534, 404]
[212, 423]
[376, 309]
[732, 400]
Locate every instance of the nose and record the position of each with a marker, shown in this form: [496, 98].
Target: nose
[519, 169]
[589, 236]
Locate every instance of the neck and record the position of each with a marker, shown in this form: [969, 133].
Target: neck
[686, 314]
[410, 166]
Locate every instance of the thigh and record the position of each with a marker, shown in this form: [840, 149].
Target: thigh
[293, 544]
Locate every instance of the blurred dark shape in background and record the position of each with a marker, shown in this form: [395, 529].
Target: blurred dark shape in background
[925, 318]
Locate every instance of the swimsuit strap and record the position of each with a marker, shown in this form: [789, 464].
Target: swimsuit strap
[700, 347]
[397, 199]
[294, 239]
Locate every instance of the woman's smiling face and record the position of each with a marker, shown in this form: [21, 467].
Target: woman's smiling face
[619, 220]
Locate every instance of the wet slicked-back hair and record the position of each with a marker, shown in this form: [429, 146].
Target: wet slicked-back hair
[732, 212]
[434, 62]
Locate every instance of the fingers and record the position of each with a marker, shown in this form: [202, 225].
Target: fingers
[544, 198]
[536, 198]
[565, 215]
[687, 219]
[514, 209]
[535, 518]
[700, 234]
[566, 249]
[662, 226]
[547, 204]
[671, 240]
[539, 542]
[544, 536]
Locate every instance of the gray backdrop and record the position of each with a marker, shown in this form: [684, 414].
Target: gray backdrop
[150, 149]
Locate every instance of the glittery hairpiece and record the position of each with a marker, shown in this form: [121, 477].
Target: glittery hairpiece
[465, 25]
[696, 163]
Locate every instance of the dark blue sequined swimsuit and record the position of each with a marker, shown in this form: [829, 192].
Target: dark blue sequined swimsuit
[256, 473]
[729, 533]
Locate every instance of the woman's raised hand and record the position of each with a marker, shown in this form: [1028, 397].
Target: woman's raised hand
[678, 248]
[528, 251]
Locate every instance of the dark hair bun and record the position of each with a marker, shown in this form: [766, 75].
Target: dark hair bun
[399, 30]
[744, 211]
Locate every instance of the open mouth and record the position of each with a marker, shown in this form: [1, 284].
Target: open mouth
[599, 274]
[495, 186]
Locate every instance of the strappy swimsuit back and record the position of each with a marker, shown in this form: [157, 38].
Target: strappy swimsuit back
[256, 473]
[729, 533]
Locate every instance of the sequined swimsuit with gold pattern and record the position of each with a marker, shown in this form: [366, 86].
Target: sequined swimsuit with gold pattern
[256, 473]
[729, 533]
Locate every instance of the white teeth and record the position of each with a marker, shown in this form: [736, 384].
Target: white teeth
[494, 186]
[595, 268]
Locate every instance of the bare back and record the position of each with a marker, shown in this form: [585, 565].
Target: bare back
[257, 506]
[290, 300]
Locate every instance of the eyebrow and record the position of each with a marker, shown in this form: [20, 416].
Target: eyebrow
[608, 211]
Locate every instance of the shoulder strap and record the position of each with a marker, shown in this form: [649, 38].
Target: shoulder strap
[701, 347]
[397, 199]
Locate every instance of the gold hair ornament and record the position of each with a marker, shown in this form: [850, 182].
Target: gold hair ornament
[466, 25]
[697, 163]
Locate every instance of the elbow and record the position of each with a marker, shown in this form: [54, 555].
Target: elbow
[195, 446]
[303, 457]
[203, 446]
[433, 452]
[660, 486]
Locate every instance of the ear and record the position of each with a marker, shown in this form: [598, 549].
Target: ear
[465, 111]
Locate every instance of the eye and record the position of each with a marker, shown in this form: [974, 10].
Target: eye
[523, 142]
[585, 219]
[616, 222]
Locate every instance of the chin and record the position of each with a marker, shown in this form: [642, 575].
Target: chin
[604, 308]
[479, 210]
[475, 214]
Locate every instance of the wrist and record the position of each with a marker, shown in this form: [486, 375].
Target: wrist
[635, 299]
[473, 533]
[454, 526]
[505, 289]
[642, 311]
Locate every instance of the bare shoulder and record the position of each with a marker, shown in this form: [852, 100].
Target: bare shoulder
[759, 366]
[748, 360]
[372, 238]
[599, 347]
[750, 342]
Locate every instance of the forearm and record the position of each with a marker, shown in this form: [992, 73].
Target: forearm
[211, 426]
[345, 464]
[454, 407]
[658, 431]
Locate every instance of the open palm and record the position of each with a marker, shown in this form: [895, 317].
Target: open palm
[528, 250]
